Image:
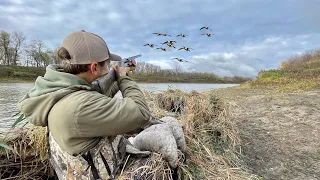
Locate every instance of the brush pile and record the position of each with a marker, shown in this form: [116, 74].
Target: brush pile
[212, 144]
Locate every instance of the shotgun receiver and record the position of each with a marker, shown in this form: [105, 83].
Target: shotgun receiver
[105, 82]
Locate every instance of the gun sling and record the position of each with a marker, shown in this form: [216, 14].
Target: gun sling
[87, 156]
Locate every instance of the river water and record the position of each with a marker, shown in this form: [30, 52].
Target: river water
[10, 93]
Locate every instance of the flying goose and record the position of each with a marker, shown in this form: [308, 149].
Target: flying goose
[150, 45]
[170, 43]
[182, 35]
[185, 48]
[205, 27]
[180, 60]
[208, 34]
[161, 34]
[163, 49]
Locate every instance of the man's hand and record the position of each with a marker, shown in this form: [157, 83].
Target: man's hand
[123, 71]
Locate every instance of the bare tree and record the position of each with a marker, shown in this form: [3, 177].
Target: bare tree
[37, 54]
[177, 70]
[5, 44]
[17, 43]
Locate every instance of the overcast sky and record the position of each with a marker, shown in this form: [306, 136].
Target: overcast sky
[249, 34]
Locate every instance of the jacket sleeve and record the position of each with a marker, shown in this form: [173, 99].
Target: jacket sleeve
[100, 115]
[113, 90]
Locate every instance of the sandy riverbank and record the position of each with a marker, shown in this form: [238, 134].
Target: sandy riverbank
[279, 132]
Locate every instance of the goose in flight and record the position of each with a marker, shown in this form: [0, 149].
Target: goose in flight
[150, 45]
[166, 35]
[182, 35]
[161, 34]
[205, 27]
[170, 43]
[163, 49]
[185, 48]
[180, 60]
[208, 34]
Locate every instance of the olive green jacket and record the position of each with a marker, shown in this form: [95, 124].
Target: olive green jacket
[78, 116]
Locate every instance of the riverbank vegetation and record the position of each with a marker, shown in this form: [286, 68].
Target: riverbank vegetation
[299, 73]
[212, 142]
[23, 73]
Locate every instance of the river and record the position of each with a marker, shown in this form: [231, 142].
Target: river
[10, 93]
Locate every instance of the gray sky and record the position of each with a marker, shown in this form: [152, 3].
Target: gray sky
[249, 34]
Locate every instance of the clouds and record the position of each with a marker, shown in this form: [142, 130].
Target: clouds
[250, 34]
[249, 58]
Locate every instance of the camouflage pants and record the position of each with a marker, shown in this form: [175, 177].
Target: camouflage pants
[76, 167]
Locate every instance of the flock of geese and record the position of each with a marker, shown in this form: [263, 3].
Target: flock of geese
[171, 44]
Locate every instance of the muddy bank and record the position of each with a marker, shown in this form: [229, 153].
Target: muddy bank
[279, 132]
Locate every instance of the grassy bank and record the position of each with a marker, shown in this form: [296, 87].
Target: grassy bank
[168, 79]
[287, 80]
[298, 73]
[21, 73]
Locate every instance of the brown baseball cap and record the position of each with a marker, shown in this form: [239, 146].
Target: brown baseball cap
[86, 48]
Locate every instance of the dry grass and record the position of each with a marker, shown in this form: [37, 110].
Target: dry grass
[150, 168]
[28, 160]
[212, 143]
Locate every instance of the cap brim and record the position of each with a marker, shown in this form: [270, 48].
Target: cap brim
[114, 57]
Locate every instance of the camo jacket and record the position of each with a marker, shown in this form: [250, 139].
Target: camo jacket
[71, 167]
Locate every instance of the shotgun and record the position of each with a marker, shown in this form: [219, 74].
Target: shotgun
[105, 82]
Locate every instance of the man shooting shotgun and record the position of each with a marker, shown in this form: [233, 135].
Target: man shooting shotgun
[85, 126]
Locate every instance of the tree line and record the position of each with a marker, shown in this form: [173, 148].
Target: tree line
[146, 69]
[16, 51]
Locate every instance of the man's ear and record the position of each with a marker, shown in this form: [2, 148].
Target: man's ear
[93, 68]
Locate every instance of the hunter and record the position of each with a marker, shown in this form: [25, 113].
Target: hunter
[85, 126]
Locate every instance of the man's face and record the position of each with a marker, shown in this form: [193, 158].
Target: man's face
[103, 70]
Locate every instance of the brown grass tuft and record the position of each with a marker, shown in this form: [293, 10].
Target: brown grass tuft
[29, 159]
